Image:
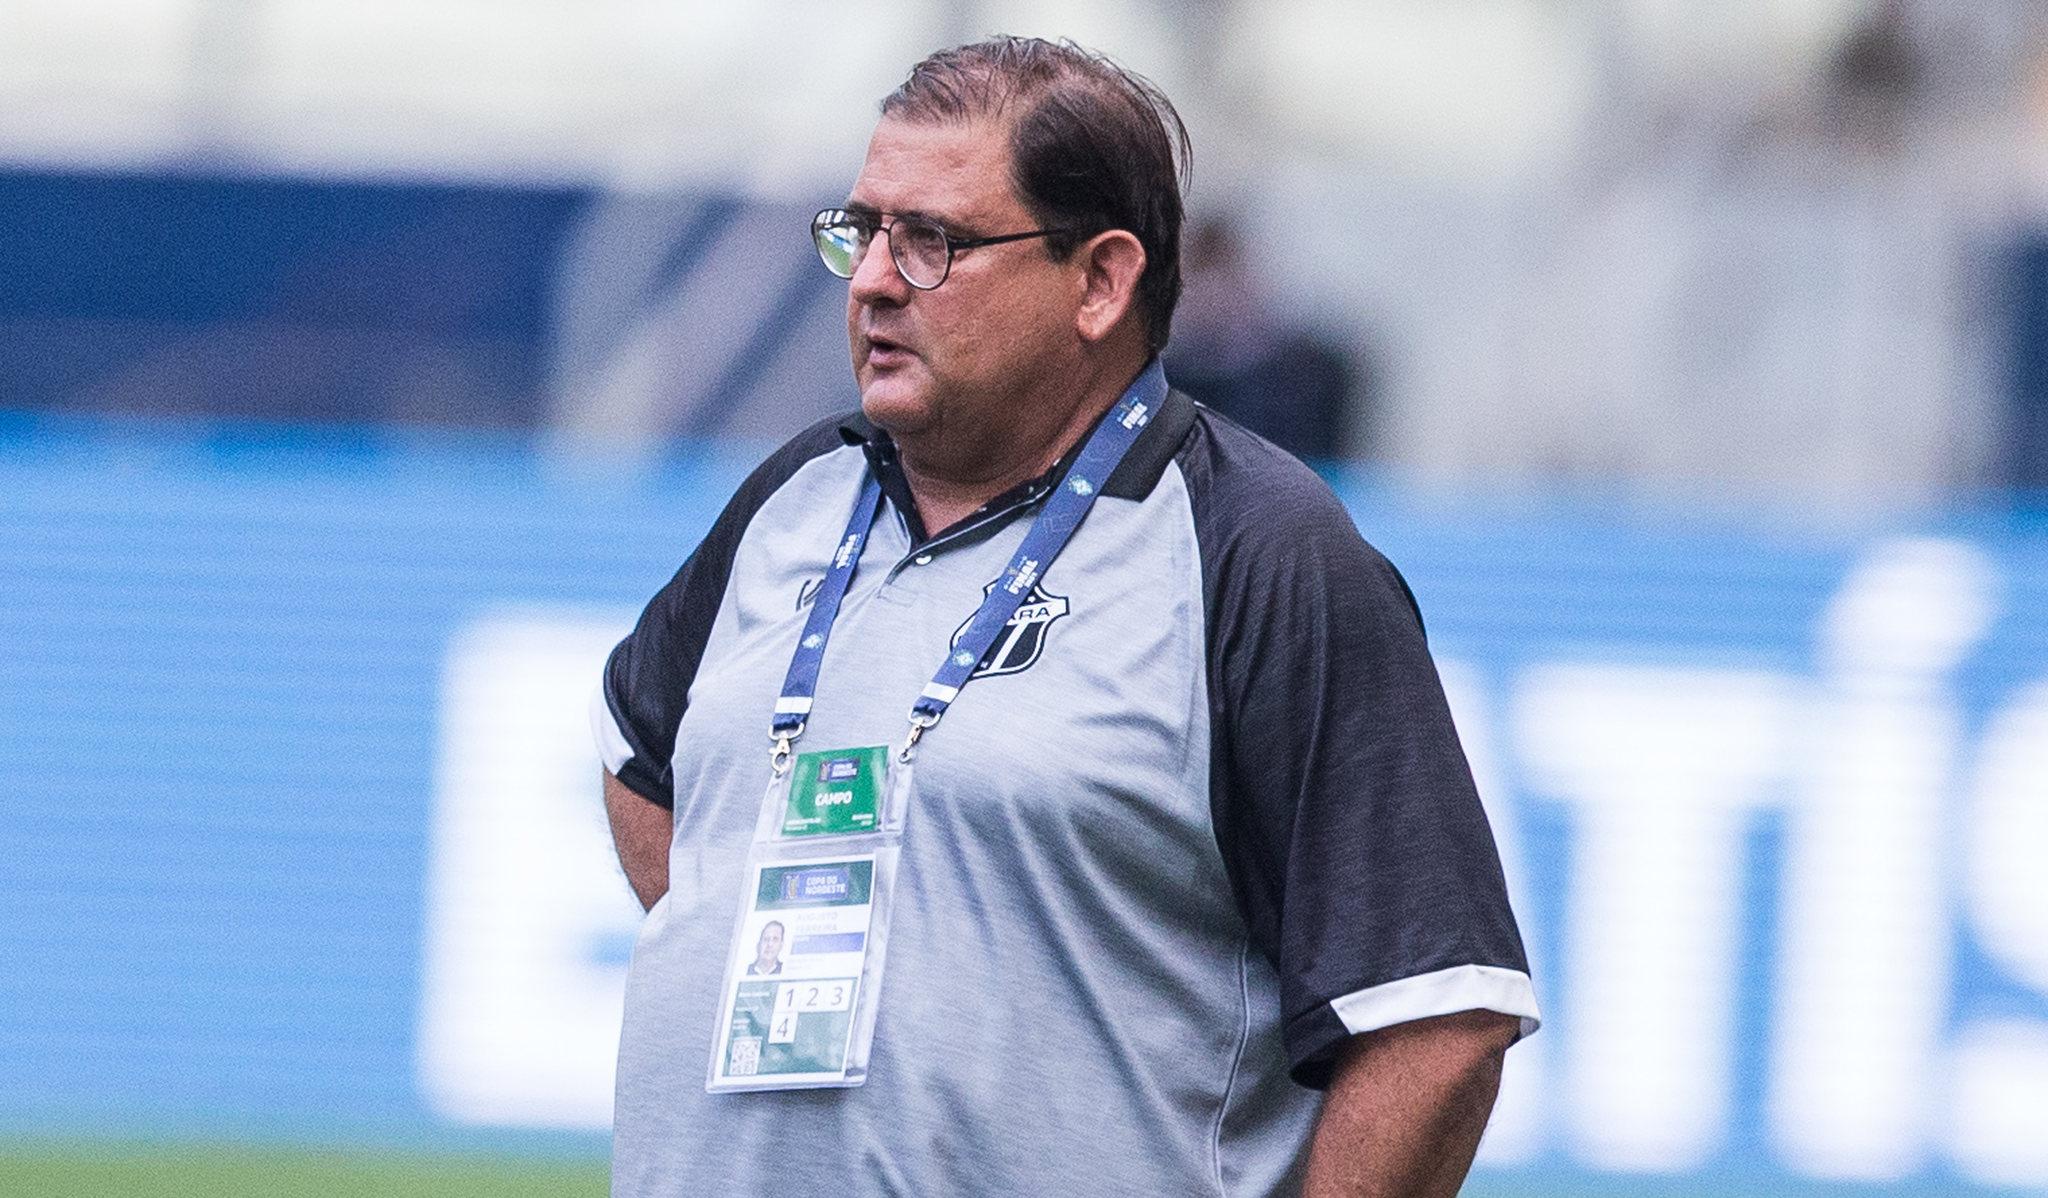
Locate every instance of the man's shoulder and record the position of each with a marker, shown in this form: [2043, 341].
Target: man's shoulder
[1274, 535]
[1249, 492]
[841, 430]
[845, 431]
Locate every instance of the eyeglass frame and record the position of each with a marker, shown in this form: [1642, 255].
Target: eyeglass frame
[953, 244]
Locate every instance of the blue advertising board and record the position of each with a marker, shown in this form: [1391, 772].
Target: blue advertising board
[300, 836]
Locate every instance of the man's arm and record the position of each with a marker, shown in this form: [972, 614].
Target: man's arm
[647, 678]
[1403, 1115]
[640, 831]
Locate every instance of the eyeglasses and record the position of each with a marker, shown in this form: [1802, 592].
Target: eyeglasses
[923, 252]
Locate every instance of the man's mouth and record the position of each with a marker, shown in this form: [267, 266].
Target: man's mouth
[884, 352]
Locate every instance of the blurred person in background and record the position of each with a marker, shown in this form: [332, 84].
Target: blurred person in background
[1196, 894]
[1234, 353]
[2023, 442]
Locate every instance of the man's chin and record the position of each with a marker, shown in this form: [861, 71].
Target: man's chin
[902, 411]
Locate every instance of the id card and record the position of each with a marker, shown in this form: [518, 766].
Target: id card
[836, 793]
[803, 957]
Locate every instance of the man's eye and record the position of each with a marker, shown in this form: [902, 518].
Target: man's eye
[924, 237]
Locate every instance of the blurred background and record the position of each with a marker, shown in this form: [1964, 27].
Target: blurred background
[365, 365]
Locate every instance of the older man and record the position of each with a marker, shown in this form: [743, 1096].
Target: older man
[1192, 892]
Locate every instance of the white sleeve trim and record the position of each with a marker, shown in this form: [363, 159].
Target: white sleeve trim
[611, 743]
[1445, 992]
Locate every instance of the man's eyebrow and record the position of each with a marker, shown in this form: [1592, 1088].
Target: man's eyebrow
[870, 212]
[933, 218]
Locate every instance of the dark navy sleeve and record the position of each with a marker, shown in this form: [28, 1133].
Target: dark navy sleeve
[1355, 840]
[647, 679]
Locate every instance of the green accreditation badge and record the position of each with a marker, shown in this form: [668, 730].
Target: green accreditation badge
[837, 792]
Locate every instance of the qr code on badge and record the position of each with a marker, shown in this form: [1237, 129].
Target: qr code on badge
[746, 1057]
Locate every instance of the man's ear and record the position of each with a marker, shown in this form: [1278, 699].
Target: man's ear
[1112, 263]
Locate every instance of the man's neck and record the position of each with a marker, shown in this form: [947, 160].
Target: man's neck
[944, 499]
[949, 491]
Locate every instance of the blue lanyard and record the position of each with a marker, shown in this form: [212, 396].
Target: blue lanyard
[1048, 535]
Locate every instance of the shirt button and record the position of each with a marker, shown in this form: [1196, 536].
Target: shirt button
[924, 559]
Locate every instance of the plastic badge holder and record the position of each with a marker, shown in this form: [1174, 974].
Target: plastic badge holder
[803, 975]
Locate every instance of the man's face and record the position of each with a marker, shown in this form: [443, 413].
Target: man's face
[954, 362]
[771, 944]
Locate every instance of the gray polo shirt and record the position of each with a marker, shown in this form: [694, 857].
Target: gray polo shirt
[1200, 816]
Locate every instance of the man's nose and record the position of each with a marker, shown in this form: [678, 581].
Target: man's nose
[875, 278]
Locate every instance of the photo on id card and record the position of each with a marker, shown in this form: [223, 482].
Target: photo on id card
[793, 973]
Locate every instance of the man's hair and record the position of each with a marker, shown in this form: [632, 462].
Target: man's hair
[1093, 146]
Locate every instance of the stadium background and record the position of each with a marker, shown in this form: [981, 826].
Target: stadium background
[363, 365]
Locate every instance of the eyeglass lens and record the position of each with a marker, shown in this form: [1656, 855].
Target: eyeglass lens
[918, 247]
